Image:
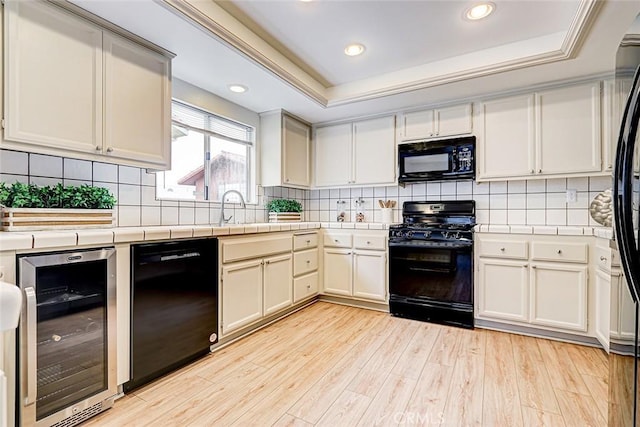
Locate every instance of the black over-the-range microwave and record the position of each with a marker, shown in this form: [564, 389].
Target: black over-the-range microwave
[438, 160]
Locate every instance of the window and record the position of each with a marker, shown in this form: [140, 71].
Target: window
[209, 155]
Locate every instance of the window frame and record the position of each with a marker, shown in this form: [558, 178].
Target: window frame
[251, 197]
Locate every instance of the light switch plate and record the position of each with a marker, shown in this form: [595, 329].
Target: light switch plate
[572, 195]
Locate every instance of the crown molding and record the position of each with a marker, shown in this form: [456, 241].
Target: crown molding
[224, 35]
[289, 72]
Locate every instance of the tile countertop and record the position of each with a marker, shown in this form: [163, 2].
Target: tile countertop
[601, 232]
[11, 241]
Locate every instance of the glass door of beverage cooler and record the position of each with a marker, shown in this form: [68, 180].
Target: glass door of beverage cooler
[65, 335]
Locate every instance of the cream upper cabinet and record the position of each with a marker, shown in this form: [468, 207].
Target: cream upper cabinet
[552, 133]
[568, 130]
[505, 132]
[374, 151]
[357, 153]
[440, 122]
[285, 150]
[74, 88]
[614, 97]
[333, 153]
[53, 78]
[136, 80]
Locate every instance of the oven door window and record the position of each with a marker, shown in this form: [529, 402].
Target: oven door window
[427, 163]
[435, 274]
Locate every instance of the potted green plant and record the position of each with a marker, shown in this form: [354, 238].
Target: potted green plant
[30, 207]
[284, 210]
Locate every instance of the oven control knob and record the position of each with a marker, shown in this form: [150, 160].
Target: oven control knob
[409, 234]
[457, 235]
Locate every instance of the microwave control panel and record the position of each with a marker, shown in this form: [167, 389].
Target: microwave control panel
[465, 158]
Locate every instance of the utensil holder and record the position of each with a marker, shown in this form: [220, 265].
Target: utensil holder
[387, 215]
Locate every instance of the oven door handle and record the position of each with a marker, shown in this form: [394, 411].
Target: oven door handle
[433, 270]
[456, 246]
[30, 327]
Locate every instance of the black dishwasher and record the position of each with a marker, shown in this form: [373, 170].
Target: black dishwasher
[174, 306]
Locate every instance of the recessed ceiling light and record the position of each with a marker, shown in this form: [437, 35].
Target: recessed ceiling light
[237, 88]
[479, 11]
[354, 49]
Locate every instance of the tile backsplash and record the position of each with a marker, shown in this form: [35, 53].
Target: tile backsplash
[533, 202]
[133, 187]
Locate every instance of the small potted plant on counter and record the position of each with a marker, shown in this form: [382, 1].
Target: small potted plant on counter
[284, 210]
[27, 207]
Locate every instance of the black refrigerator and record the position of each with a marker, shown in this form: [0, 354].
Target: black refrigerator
[623, 363]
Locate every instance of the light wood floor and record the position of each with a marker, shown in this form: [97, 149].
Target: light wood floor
[331, 365]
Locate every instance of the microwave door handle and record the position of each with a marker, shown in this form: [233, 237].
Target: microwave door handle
[30, 326]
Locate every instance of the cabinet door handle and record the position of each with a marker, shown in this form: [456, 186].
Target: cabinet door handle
[308, 286]
[287, 180]
[267, 262]
[98, 148]
[603, 258]
[337, 241]
[525, 265]
[109, 149]
[533, 171]
[533, 266]
[502, 249]
[308, 261]
[539, 170]
[559, 251]
[610, 167]
[368, 242]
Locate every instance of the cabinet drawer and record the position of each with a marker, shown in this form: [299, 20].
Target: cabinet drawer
[603, 258]
[305, 261]
[305, 286]
[234, 250]
[337, 240]
[562, 252]
[370, 242]
[305, 241]
[503, 249]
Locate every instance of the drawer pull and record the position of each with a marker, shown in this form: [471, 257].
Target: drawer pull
[559, 251]
[501, 249]
[308, 286]
[308, 242]
[368, 242]
[533, 266]
[308, 261]
[337, 241]
[603, 258]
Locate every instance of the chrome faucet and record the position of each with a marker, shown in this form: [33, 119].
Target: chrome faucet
[242, 204]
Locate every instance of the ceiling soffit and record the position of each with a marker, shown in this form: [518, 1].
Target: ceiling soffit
[218, 23]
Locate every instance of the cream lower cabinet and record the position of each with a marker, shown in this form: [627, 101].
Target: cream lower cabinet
[355, 264]
[504, 293]
[559, 296]
[241, 295]
[603, 307]
[539, 281]
[256, 278]
[305, 266]
[254, 289]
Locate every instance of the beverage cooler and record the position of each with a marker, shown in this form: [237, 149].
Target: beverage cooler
[66, 340]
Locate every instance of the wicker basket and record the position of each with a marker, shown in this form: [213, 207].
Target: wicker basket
[285, 216]
[31, 219]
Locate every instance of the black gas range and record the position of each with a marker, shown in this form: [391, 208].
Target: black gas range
[431, 262]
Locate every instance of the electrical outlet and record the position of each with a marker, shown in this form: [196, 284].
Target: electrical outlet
[572, 196]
